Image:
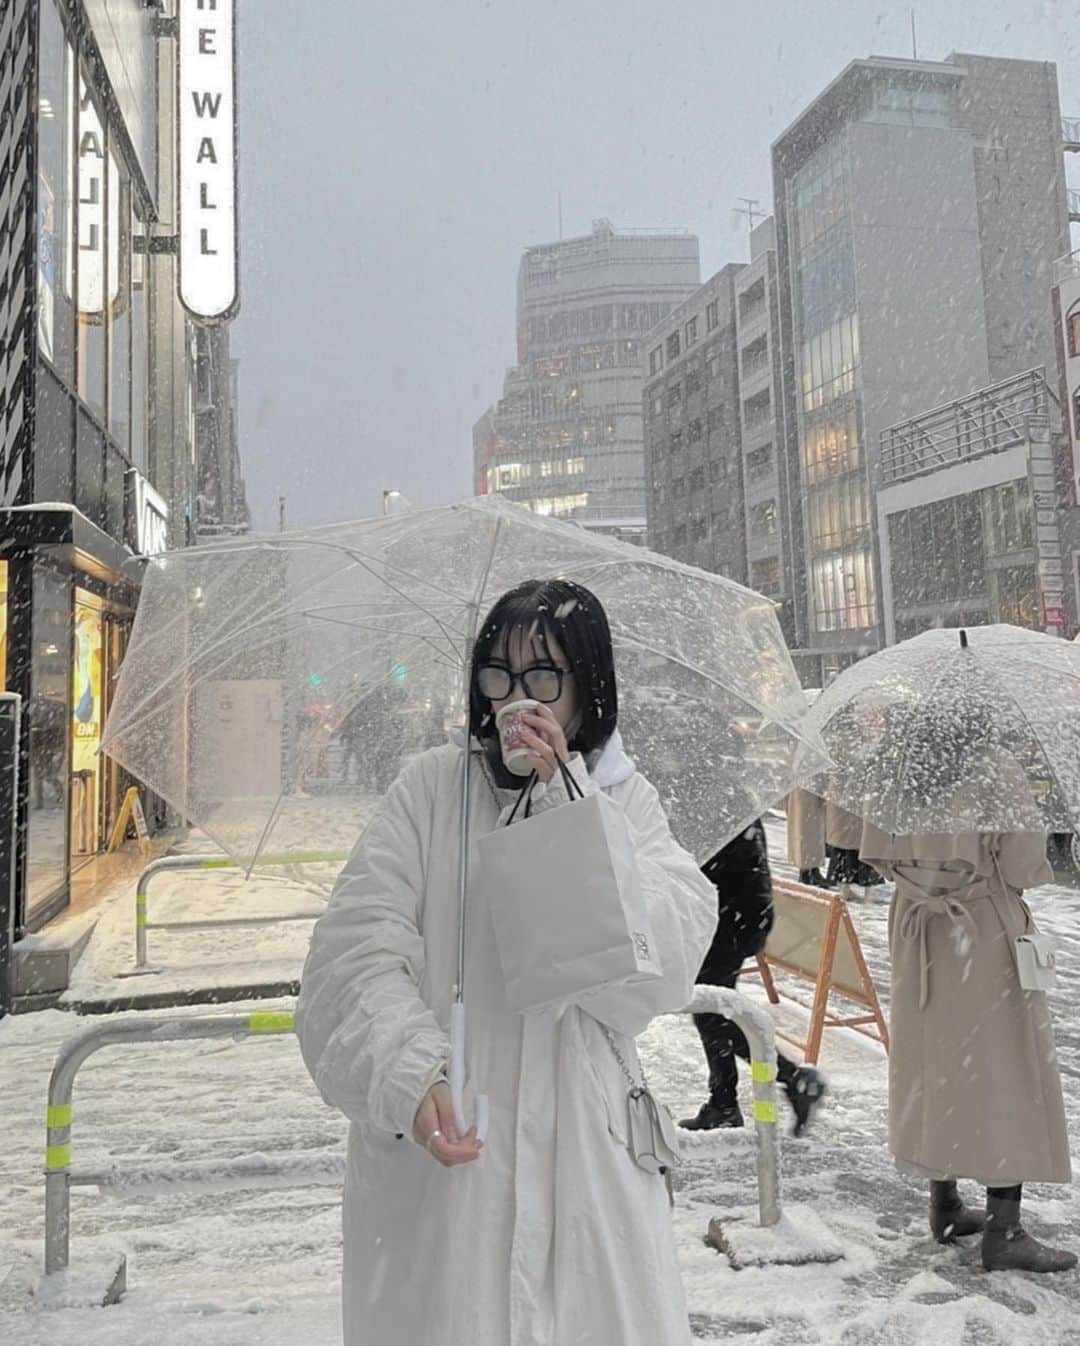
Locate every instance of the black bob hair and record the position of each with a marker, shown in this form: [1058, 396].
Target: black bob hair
[574, 617]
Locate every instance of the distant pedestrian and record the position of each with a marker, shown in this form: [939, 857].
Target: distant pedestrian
[740, 873]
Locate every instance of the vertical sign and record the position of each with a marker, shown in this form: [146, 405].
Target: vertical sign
[82, 121]
[1047, 532]
[206, 114]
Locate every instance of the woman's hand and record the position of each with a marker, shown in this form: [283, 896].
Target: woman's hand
[435, 1131]
[542, 732]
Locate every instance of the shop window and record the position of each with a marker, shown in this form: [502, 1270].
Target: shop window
[48, 717]
[87, 713]
[55, 123]
[119, 306]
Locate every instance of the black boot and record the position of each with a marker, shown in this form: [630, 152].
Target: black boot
[950, 1219]
[805, 1088]
[713, 1115]
[1005, 1244]
[815, 878]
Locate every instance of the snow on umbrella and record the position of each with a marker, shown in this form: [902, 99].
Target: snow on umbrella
[957, 731]
[269, 678]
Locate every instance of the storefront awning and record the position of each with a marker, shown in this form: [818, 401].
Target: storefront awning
[92, 550]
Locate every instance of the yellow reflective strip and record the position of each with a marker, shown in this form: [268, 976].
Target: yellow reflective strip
[764, 1112]
[58, 1116]
[140, 899]
[218, 862]
[57, 1156]
[270, 1021]
[140, 918]
[761, 1072]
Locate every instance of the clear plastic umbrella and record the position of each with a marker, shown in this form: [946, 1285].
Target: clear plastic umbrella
[271, 680]
[957, 731]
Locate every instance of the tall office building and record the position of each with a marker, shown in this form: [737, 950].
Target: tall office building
[566, 436]
[920, 207]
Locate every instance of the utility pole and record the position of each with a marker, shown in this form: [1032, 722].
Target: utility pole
[914, 40]
[281, 513]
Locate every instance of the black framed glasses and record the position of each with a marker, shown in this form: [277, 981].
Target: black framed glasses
[541, 682]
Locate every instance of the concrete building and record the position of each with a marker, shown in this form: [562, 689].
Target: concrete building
[970, 516]
[221, 507]
[693, 457]
[99, 446]
[919, 208]
[566, 436]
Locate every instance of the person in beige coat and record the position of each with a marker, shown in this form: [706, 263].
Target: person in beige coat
[974, 1090]
[806, 836]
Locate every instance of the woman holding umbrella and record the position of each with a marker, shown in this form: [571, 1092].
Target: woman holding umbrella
[549, 1232]
[961, 750]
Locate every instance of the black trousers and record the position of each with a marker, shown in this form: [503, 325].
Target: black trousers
[724, 1042]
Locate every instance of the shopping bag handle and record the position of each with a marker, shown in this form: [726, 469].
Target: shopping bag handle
[573, 791]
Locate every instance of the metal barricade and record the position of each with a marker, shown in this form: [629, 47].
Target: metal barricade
[60, 1177]
[758, 1028]
[172, 863]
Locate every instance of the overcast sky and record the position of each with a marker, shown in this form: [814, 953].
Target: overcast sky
[397, 155]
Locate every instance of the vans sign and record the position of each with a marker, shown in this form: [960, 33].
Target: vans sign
[206, 116]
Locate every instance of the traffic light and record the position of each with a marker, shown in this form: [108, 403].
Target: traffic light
[400, 673]
[315, 679]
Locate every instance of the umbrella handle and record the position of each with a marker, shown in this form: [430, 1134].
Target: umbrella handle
[456, 1073]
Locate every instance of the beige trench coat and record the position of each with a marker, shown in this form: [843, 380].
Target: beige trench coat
[805, 830]
[974, 1090]
[842, 829]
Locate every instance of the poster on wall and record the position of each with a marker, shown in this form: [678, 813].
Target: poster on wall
[86, 716]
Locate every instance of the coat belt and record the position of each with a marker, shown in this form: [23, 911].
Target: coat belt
[922, 909]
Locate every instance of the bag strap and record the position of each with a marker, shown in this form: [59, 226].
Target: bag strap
[526, 796]
[573, 789]
[643, 1083]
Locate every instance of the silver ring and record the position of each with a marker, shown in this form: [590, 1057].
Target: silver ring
[431, 1138]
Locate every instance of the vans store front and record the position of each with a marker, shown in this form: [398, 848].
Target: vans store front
[97, 413]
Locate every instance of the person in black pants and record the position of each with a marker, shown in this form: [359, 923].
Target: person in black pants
[740, 872]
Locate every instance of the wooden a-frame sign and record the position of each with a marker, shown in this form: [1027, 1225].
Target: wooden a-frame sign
[131, 811]
[813, 939]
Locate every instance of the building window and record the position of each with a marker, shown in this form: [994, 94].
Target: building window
[699, 530]
[49, 715]
[676, 440]
[763, 519]
[678, 487]
[559, 506]
[831, 441]
[55, 121]
[674, 394]
[712, 364]
[759, 463]
[656, 360]
[836, 513]
[694, 380]
[1016, 596]
[712, 315]
[757, 410]
[694, 431]
[765, 575]
[678, 537]
[673, 346]
[1009, 513]
[1072, 322]
[697, 479]
[657, 404]
[843, 591]
[691, 332]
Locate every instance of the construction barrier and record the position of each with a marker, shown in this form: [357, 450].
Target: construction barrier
[60, 1176]
[172, 863]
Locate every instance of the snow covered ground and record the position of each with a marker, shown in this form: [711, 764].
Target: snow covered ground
[260, 1267]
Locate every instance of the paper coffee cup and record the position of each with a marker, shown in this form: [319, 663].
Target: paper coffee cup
[510, 722]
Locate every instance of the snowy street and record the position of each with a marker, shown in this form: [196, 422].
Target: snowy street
[251, 1267]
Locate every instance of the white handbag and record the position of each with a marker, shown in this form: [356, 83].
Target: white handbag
[1036, 962]
[565, 899]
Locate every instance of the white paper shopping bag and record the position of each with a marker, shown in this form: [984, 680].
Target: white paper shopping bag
[565, 899]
